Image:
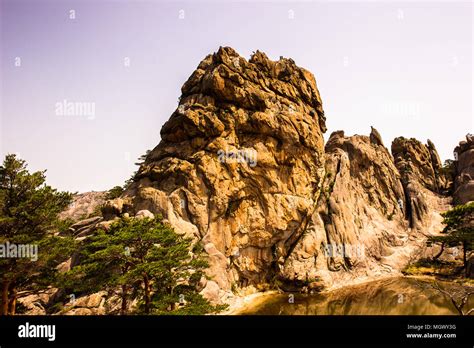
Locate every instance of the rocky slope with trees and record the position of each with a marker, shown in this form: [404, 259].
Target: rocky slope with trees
[242, 168]
[255, 199]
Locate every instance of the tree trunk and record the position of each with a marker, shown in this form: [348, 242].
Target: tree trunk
[123, 310]
[464, 257]
[4, 310]
[170, 291]
[147, 294]
[12, 302]
[440, 252]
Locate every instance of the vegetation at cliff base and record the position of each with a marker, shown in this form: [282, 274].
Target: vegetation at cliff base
[144, 259]
[459, 231]
[457, 234]
[151, 268]
[29, 250]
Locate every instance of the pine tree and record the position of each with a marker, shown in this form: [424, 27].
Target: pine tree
[459, 230]
[28, 217]
[143, 257]
[114, 192]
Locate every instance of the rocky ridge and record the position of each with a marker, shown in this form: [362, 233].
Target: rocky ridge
[363, 226]
[243, 169]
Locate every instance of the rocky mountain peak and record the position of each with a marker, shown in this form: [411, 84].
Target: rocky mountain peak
[375, 137]
[226, 82]
[84, 205]
[242, 168]
[417, 161]
[239, 166]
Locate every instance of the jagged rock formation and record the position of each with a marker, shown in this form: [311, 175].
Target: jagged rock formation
[361, 228]
[421, 173]
[35, 304]
[239, 164]
[242, 168]
[418, 161]
[94, 304]
[464, 174]
[375, 137]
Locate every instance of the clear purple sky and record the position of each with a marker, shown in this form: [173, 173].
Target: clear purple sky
[402, 67]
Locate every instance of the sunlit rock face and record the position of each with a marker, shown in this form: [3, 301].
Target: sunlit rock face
[239, 165]
[362, 226]
[422, 178]
[464, 174]
[242, 168]
[419, 160]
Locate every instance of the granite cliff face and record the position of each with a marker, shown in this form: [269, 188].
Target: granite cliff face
[242, 168]
[464, 174]
[421, 176]
[239, 165]
[363, 226]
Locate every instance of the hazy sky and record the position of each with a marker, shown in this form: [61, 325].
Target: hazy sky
[402, 67]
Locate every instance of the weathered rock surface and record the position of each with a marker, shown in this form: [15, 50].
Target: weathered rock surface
[421, 176]
[36, 304]
[242, 168]
[360, 228]
[418, 161]
[83, 205]
[94, 304]
[464, 174]
[145, 214]
[239, 165]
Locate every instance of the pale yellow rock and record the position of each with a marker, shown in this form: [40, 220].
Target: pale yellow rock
[242, 168]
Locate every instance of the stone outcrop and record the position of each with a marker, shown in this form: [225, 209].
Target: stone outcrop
[417, 161]
[239, 165]
[464, 173]
[94, 304]
[36, 304]
[361, 228]
[242, 169]
[84, 205]
[421, 174]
